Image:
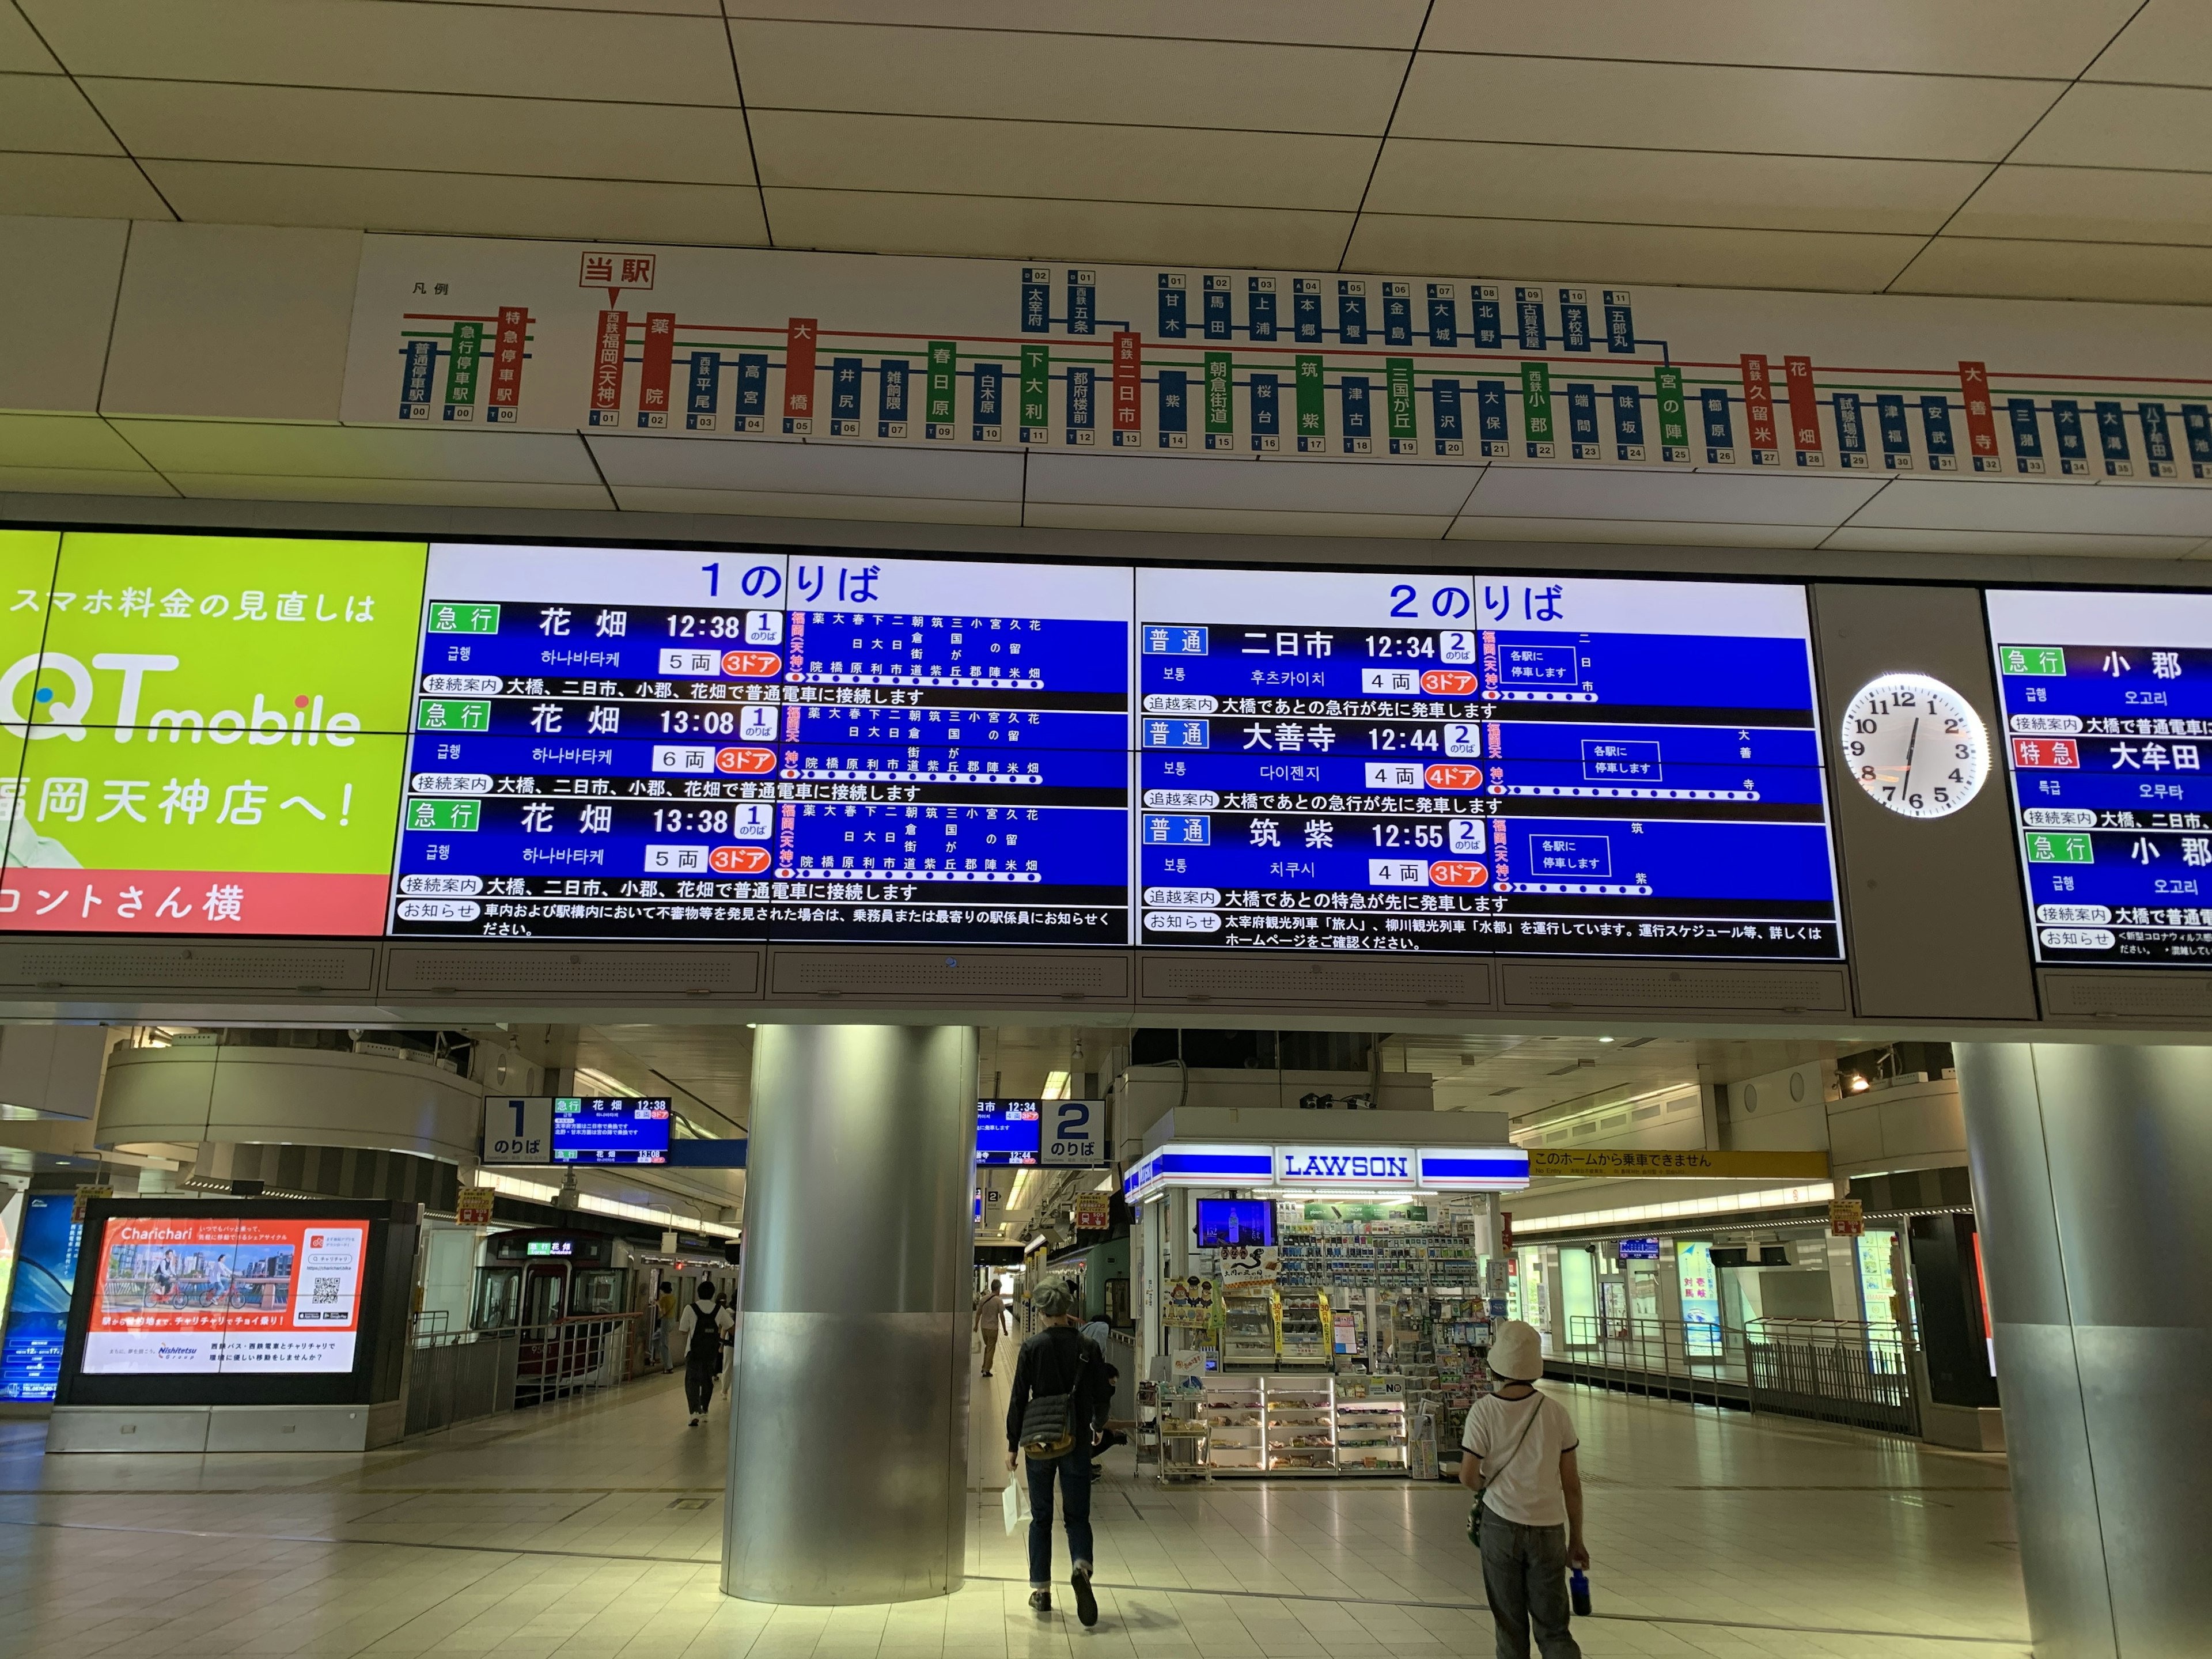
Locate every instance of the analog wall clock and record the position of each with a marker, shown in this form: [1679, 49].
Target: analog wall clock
[1915, 745]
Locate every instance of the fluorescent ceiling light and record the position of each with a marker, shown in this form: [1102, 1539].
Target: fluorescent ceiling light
[535, 1192]
[1055, 1086]
[1772, 1198]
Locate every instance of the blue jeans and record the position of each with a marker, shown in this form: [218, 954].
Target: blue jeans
[1074, 1472]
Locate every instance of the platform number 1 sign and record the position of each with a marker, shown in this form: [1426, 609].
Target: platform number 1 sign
[1072, 1135]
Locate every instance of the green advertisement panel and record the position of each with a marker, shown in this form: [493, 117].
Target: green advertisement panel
[209, 737]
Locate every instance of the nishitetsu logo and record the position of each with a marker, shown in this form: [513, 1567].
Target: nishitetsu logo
[1347, 1166]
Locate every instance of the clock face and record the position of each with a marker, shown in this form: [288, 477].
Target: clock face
[1915, 745]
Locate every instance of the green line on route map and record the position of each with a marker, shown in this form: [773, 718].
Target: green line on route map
[1536, 402]
[456, 815]
[2060, 849]
[1037, 385]
[2048, 660]
[1313, 421]
[944, 371]
[1220, 403]
[438, 714]
[1674, 412]
[1400, 371]
[461, 370]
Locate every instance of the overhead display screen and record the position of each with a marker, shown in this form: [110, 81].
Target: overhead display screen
[2108, 727]
[1008, 1131]
[203, 1295]
[603, 1129]
[679, 745]
[203, 732]
[1375, 762]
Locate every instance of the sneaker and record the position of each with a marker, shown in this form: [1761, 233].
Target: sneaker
[1041, 1600]
[1087, 1604]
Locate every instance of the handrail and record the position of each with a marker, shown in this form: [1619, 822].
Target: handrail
[1850, 1370]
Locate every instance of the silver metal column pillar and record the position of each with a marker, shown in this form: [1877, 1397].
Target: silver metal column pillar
[2093, 1185]
[848, 1439]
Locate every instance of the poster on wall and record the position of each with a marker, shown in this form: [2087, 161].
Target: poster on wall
[204, 733]
[197, 1295]
[1376, 762]
[2108, 717]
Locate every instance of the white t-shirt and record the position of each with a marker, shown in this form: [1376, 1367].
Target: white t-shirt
[1522, 1486]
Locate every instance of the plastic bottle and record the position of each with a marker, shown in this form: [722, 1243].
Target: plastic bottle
[1578, 1592]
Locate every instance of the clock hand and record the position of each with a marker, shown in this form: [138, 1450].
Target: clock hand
[1911, 743]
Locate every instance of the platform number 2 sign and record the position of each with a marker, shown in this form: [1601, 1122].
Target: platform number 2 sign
[1074, 1135]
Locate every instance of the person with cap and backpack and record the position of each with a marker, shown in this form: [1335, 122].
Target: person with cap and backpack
[1060, 1400]
[1528, 1515]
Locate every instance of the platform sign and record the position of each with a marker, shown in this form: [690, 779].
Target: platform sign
[1372, 762]
[518, 1129]
[1072, 1134]
[746, 745]
[2108, 730]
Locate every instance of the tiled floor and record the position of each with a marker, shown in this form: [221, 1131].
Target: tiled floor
[590, 1530]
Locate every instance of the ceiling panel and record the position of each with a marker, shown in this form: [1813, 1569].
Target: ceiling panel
[20, 48]
[2061, 270]
[77, 186]
[339, 452]
[1012, 228]
[1233, 521]
[932, 155]
[2091, 204]
[1047, 77]
[461, 203]
[2047, 37]
[80, 481]
[2166, 44]
[2165, 128]
[2112, 508]
[47, 113]
[392, 492]
[317, 127]
[1703, 106]
[1689, 257]
[422, 46]
[1714, 497]
[1668, 187]
[808, 468]
[66, 441]
[2015, 544]
[1658, 532]
[1162, 481]
[1313, 22]
[797, 504]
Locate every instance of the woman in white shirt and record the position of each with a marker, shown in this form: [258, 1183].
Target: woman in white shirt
[1521, 1465]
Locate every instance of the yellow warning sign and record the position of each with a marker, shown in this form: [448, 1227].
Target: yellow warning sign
[1611, 1162]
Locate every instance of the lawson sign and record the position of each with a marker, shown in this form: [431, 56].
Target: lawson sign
[1344, 1166]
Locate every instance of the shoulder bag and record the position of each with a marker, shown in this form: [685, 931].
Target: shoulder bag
[1474, 1515]
[1049, 1419]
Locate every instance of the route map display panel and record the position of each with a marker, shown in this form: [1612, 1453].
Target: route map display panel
[1374, 763]
[2107, 730]
[693, 746]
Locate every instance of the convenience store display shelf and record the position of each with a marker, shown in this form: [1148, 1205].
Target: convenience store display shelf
[1291, 1425]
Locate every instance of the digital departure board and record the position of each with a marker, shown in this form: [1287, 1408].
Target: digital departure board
[1380, 763]
[2107, 730]
[610, 1129]
[679, 745]
[1008, 1131]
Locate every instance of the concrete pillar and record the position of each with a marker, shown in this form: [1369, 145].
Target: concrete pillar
[848, 1436]
[2092, 1184]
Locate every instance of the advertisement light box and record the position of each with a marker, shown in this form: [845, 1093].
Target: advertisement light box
[2107, 729]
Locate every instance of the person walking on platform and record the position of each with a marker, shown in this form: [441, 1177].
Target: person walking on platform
[1059, 1402]
[1521, 1465]
[991, 1322]
[705, 1324]
[663, 1327]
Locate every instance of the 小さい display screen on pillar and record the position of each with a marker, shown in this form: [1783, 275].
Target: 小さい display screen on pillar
[207, 1295]
[255, 736]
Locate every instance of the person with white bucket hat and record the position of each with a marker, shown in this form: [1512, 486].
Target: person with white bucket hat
[1527, 1514]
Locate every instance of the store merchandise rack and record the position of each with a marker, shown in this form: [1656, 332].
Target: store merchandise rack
[1294, 1424]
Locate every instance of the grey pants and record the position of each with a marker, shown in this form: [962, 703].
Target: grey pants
[1524, 1574]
